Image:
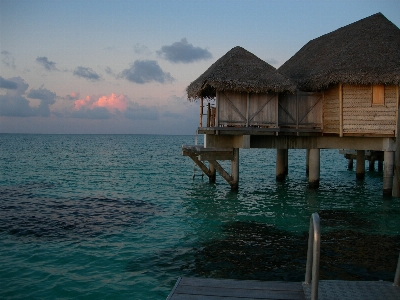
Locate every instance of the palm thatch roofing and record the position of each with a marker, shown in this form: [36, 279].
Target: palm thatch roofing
[364, 52]
[241, 71]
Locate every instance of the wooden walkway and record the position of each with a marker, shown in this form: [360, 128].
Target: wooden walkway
[223, 289]
[217, 289]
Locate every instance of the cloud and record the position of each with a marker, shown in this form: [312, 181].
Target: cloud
[139, 112]
[7, 84]
[14, 104]
[87, 73]
[111, 102]
[46, 98]
[72, 96]
[109, 71]
[101, 113]
[48, 65]
[143, 71]
[183, 52]
[8, 59]
[141, 49]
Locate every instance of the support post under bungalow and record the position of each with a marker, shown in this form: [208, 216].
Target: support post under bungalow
[314, 169]
[286, 161]
[280, 164]
[307, 161]
[388, 168]
[360, 165]
[350, 163]
[235, 169]
[212, 176]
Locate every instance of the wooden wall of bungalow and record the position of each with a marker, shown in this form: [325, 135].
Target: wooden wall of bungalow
[344, 110]
[361, 110]
[269, 110]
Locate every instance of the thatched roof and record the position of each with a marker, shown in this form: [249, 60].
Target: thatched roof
[241, 71]
[364, 52]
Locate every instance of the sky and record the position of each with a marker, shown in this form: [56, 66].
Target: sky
[122, 67]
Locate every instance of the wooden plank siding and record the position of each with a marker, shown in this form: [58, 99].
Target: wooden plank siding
[262, 108]
[241, 109]
[300, 110]
[341, 110]
[361, 116]
[331, 111]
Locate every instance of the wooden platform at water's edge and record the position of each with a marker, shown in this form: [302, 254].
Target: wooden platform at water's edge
[222, 289]
[218, 289]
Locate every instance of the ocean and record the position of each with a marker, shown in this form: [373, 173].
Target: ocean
[122, 217]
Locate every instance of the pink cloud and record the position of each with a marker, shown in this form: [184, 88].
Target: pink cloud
[111, 102]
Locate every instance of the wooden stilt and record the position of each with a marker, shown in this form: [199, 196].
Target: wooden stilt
[280, 164]
[235, 169]
[212, 177]
[313, 178]
[350, 164]
[388, 172]
[307, 161]
[286, 162]
[371, 165]
[360, 166]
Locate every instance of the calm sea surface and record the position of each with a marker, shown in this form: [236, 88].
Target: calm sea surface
[121, 217]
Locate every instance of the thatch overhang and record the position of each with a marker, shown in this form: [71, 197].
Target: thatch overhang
[241, 71]
[364, 52]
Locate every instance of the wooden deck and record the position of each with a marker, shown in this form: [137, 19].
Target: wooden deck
[219, 289]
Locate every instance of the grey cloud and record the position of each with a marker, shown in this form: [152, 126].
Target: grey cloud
[109, 71]
[48, 65]
[183, 52]
[169, 114]
[143, 71]
[87, 73]
[16, 106]
[8, 59]
[7, 84]
[138, 112]
[141, 49]
[46, 98]
[101, 113]
[13, 104]
[72, 96]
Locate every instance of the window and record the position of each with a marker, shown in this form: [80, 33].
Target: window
[378, 94]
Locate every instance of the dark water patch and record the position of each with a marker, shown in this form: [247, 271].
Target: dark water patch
[70, 218]
[351, 255]
[343, 218]
[251, 250]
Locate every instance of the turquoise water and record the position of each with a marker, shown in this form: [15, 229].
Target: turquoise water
[120, 217]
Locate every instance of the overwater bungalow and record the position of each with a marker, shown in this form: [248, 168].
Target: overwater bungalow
[339, 91]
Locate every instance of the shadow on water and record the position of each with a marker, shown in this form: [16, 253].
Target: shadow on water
[30, 216]
[252, 250]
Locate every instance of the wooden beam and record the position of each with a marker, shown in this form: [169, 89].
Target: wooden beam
[248, 110]
[221, 171]
[396, 177]
[201, 165]
[340, 109]
[201, 112]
